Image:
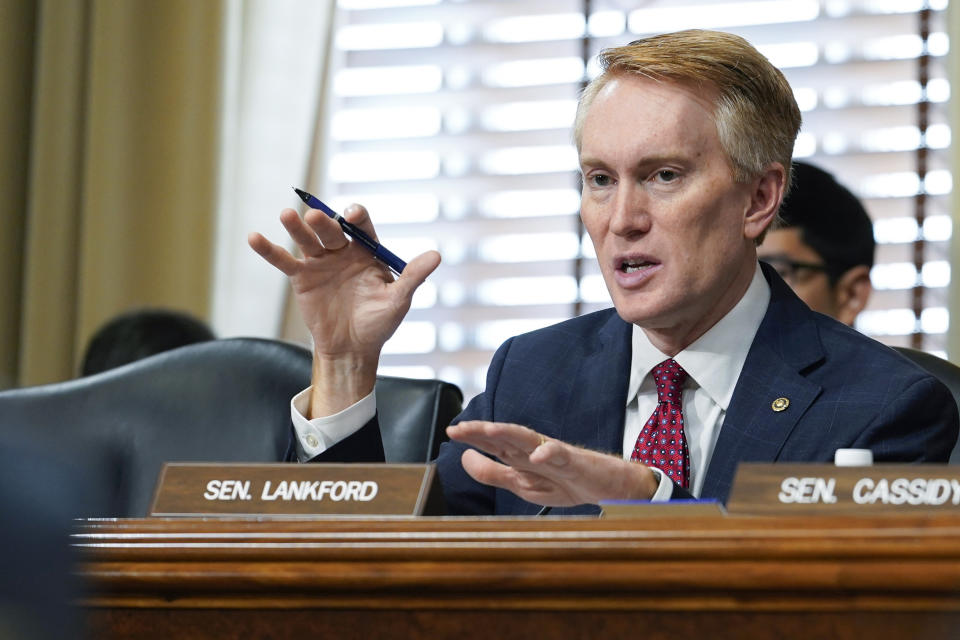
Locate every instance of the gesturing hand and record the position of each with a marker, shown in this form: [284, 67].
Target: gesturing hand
[350, 303]
[546, 471]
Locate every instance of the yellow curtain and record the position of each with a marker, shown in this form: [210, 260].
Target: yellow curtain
[16, 71]
[110, 163]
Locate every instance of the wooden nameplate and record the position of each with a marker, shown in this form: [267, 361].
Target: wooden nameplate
[826, 488]
[288, 489]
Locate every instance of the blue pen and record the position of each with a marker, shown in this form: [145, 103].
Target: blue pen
[379, 251]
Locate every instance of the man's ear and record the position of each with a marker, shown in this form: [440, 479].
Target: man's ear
[765, 198]
[851, 293]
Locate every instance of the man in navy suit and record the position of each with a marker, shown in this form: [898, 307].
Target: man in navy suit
[685, 144]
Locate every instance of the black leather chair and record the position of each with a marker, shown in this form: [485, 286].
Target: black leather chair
[946, 371]
[219, 401]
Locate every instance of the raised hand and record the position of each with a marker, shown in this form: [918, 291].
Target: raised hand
[350, 303]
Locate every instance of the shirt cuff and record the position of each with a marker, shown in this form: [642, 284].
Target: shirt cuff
[317, 435]
[665, 489]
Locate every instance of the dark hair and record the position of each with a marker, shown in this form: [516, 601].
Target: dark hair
[831, 220]
[139, 334]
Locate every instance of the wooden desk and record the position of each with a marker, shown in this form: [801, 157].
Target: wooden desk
[696, 577]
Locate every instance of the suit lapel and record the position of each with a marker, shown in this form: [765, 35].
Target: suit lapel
[787, 343]
[595, 413]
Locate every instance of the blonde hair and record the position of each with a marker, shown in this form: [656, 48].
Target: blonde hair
[756, 114]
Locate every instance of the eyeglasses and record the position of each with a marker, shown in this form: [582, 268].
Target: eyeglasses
[794, 271]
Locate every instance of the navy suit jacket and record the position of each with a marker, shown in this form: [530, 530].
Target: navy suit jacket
[569, 382]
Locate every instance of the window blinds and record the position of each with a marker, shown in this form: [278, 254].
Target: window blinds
[450, 121]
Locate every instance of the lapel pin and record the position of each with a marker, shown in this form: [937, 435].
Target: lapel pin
[780, 404]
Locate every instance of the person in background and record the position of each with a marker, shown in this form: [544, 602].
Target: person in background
[824, 247]
[138, 334]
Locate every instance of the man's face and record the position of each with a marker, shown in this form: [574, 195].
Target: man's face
[668, 222]
[801, 267]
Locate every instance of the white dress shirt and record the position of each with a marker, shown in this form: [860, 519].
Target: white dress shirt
[317, 435]
[713, 364]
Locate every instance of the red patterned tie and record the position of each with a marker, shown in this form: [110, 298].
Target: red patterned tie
[662, 443]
